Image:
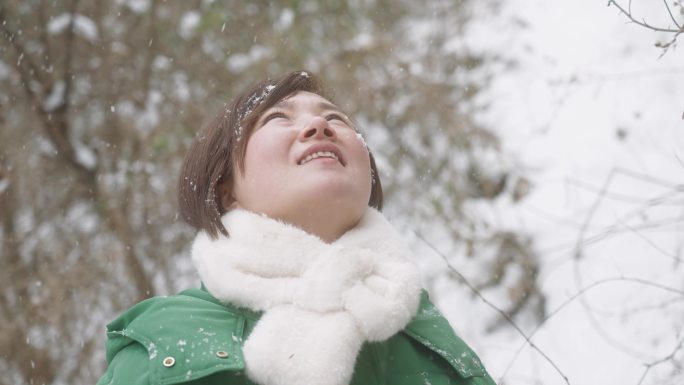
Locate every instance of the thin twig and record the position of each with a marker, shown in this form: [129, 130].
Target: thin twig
[672, 17]
[508, 319]
[69, 47]
[651, 243]
[640, 309]
[676, 188]
[660, 361]
[641, 23]
[611, 231]
[650, 178]
[617, 196]
[27, 74]
[579, 293]
[666, 46]
[592, 211]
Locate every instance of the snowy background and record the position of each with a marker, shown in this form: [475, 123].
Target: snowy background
[594, 115]
[466, 104]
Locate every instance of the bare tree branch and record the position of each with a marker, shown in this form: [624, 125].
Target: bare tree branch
[621, 197]
[47, 54]
[653, 244]
[34, 363]
[580, 293]
[644, 24]
[56, 124]
[672, 17]
[669, 357]
[503, 314]
[581, 240]
[597, 203]
[26, 74]
[150, 53]
[599, 327]
[69, 48]
[665, 46]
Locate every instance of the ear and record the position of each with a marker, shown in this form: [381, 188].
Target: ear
[225, 192]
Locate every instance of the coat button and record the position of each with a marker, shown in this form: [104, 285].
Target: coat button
[169, 362]
[222, 354]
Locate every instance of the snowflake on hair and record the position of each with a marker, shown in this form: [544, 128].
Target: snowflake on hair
[253, 102]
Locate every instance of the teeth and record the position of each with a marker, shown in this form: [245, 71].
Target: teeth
[319, 154]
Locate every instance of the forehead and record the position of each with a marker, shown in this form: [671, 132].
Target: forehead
[305, 99]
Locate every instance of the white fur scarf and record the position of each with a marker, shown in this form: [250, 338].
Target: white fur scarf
[321, 301]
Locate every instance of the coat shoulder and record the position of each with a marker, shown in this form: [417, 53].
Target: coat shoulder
[433, 331]
[186, 336]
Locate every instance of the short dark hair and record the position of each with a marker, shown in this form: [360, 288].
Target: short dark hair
[222, 144]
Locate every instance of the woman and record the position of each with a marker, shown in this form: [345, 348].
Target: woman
[304, 281]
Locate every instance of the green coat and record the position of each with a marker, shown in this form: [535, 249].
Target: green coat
[192, 338]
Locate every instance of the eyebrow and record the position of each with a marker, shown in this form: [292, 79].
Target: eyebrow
[329, 106]
[322, 105]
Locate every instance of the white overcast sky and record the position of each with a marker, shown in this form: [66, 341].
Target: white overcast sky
[585, 76]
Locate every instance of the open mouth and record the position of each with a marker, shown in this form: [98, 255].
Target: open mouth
[319, 154]
[318, 151]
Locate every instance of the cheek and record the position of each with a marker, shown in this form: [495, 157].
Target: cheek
[263, 153]
[361, 161]
[359, 152]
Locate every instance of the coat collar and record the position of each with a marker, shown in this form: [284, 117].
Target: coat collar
[432, 330]
[428, 327]
[163, 321]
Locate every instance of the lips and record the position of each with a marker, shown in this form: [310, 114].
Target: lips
[323, 150]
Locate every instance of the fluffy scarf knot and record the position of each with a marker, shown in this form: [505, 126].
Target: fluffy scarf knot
[320, 300]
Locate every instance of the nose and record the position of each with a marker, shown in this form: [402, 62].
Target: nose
[318, 128]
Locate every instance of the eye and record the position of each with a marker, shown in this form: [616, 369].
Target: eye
[336, 117]
[273, 115]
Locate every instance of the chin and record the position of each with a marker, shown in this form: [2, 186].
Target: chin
[332, 202]
[337, 186]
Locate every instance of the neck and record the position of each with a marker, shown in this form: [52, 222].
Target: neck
[326, 226]
[326, 221]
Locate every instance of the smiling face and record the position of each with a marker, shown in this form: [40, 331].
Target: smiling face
[305, 164]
